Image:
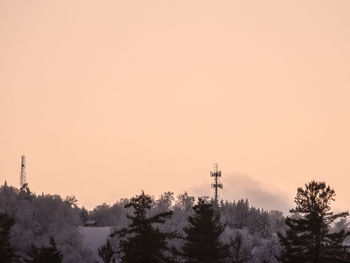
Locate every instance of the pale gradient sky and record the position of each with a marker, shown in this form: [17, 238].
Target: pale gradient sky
[106, 98]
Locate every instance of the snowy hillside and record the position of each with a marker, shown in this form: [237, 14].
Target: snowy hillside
[95, 237]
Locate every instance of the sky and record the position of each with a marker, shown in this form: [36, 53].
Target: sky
[108, 98]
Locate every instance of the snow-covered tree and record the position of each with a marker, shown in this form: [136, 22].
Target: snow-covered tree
[277, 223]
[240, 247]
[267, 252]
[165, 202]
[37, 218]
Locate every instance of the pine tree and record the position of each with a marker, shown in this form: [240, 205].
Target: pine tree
[202, 244]
[7, 252]
[44, 254]
[308, 237]
[106, 252]
[141, 241]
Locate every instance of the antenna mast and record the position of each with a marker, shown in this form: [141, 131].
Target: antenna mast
[23, 178]
[216, 174]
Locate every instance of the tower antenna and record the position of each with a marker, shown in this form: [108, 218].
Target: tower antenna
[216, 185]
[23, 178]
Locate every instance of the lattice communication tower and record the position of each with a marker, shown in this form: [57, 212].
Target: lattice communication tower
[216, 185]
[23, 178]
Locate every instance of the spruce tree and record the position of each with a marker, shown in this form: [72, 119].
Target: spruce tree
[44, 254]
[7, 252]
[106, 252]
[141, 241]
[202, 244]
[308, 237]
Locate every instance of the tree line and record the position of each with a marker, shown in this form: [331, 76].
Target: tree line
[148, 230]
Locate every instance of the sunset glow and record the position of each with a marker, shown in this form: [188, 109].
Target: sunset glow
[106, 98]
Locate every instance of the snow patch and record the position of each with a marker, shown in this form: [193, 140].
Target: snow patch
[94, 238]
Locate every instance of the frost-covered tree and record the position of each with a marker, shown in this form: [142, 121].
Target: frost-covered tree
[277, 223]
[241, 212]
[258, 223]
[37, 218]
[202, 236]
[182, 210]
[107, 215]
[342, 224]
[267, 252]
[240, 248]
[185, 202]
[308, 237]
[165, 202]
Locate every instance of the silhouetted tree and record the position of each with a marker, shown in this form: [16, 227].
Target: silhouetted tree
[44, 254]
[7, 252]
[106, 252]
[202, 244]
[84, 215]
[141, 241]
[308, 237]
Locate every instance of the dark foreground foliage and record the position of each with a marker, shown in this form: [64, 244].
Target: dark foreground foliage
[44, 254]
[309, 239]
[106, 252]
[202, 244]
[142, 241]
[7, 252]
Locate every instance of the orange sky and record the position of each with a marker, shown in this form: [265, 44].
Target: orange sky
[106, 98]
